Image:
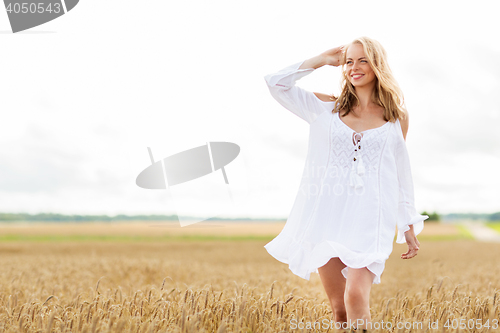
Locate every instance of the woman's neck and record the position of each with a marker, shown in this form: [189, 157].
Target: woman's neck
[365, 98]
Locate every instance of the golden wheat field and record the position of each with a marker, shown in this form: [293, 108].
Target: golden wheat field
[219, 278]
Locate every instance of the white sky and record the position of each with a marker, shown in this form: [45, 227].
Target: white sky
[84, 95]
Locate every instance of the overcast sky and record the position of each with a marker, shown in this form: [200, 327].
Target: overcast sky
[84, 96]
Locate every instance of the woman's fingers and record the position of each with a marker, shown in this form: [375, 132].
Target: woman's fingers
[413, 247]
[333, 56]
[412, 250]
[410, 254]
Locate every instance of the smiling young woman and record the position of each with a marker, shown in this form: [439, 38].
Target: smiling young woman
[359, 169]
[359, 72]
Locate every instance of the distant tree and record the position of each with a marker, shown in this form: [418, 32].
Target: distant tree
[10, 217]
[433, 217]
[494, 217]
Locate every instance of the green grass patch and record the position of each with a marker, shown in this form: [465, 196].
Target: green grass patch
[122, 238]
[463, 234]
[495, 225]
[445, 237]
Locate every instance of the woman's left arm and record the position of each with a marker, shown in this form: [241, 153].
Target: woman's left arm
[410, 223]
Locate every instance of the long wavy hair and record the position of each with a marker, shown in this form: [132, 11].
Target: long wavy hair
[386, 94]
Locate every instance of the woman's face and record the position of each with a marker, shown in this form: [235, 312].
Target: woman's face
[358, 70]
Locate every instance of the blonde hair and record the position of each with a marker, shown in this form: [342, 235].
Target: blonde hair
[386, 94]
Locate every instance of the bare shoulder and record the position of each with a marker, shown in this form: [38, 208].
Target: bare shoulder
[405, 123]
[325, 97]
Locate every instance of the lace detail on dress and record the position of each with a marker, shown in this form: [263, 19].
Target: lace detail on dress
[343, 148]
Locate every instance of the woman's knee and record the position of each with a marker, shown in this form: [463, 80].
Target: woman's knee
[358, 284]
[354, 294]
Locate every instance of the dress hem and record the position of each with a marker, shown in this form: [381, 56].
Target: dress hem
[303, 261]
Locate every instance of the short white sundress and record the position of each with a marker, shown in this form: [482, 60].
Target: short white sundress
[355, 188]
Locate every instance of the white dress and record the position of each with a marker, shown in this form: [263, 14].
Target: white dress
[351, 196]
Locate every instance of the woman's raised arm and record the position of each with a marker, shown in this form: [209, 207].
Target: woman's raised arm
[303, 103]
[332, 57]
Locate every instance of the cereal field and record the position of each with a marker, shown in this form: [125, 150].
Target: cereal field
[219, 278]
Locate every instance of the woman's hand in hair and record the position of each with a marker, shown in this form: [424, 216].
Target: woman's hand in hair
[333, 57]
[330, 57]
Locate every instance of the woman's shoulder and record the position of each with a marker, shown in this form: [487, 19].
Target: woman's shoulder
[404, 122]
[325, 98]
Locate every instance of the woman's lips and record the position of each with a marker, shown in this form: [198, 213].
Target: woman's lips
[357, 76]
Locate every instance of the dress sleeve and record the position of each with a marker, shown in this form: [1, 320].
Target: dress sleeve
[301, 102]
[407, 214]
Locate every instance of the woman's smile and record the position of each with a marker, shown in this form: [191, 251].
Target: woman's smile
[356, 61]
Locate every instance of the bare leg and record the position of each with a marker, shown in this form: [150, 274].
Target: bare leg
[334, 284]
[357, 296]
